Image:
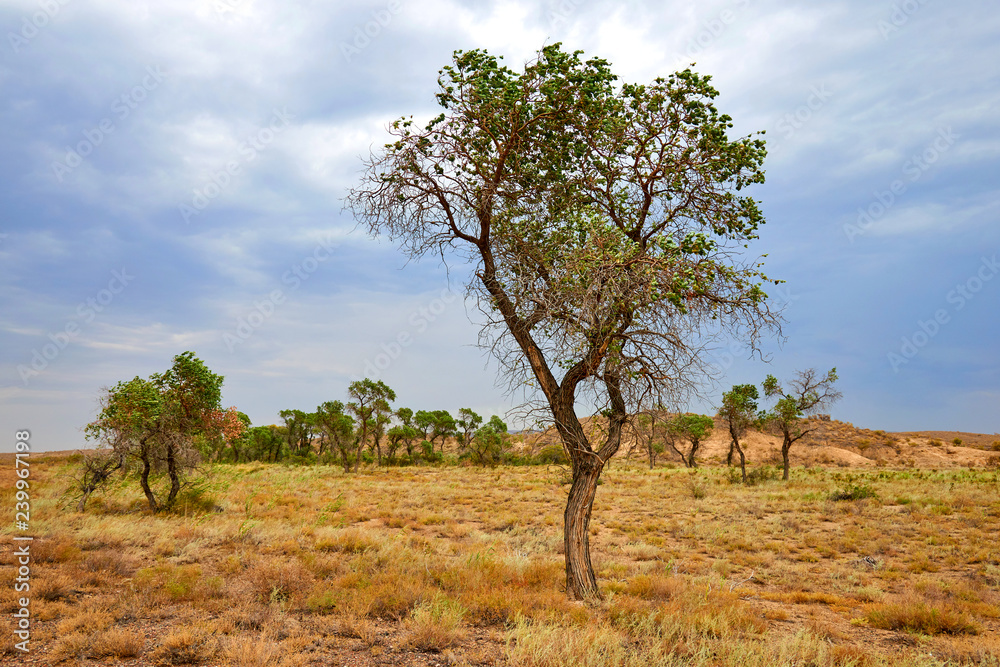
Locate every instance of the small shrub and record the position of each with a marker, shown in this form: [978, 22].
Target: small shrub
[552, 455]
[755, 477]
[695, 487]
[194, 499]
[252, 653]
[119, 643]
[436, 625]
[922, 618]
[854, 492]
[184, 647]
[72, 646]
[957, 441]
[761, 475]
[995, 446]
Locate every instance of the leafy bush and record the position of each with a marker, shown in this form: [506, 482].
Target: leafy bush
[427, 452]
[552, 454]
[754, 477]
[854, 492]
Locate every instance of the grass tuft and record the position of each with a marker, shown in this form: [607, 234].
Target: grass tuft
[922, 618]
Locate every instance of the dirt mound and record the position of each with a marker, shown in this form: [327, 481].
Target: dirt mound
[829, 443]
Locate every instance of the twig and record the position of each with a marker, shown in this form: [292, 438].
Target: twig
[733, 585]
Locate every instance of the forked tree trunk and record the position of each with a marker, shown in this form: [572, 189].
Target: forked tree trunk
[581, 584]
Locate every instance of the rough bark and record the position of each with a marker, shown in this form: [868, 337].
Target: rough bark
[581, 583]
[144, 481]
[734, 445]
[172, 471]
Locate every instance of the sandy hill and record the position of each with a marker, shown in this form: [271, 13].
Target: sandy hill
[830, 443]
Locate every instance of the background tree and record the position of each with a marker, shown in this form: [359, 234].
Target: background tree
[338, 428]
[468, 421]
[228, 429]
[371, 398]
[443, 426]
[263, 443]
[381, 418]
[688, 430]
[319, 436]
[408, 431]
[489, 443]
[808, 393]
[423, 420]
[299, 431]
[739, 410]
[604, 222]
[648, 427]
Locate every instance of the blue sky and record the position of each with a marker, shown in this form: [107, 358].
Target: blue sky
[173, 175]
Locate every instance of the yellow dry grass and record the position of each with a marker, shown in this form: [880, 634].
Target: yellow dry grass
[310, 565]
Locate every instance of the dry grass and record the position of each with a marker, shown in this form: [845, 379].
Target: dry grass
[920, 617]
[312, 565]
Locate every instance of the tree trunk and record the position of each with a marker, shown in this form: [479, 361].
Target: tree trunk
[175, 480]
[743, 460]
[144, 482]
[359, 447]
[581, 584]
[786, 445]
[694, 448]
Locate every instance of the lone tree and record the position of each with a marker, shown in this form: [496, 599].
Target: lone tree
[739, 409]
[157, 423]
[808, 393]
[604, 223]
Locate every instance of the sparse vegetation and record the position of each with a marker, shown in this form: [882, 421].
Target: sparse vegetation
[854, 492]
[807, 393]
[309, 564]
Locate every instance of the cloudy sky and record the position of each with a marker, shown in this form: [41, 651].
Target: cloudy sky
[173, 176]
